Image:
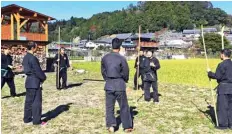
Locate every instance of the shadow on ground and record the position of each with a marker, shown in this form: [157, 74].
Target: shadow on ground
[56, 112]
[74, 85]
[18, 95]
[209, 113]
[133, 114]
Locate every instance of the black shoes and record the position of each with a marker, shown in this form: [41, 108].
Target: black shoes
[221, 128]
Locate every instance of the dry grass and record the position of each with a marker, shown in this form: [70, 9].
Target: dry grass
[181, 108]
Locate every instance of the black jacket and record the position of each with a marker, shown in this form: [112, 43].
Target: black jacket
[223, 75]
[5, 61]
[35, 75]
[115, 71]
[64, 61]
[141, 59]
[145, 65]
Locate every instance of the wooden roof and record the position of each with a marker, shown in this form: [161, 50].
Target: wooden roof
[7, 10]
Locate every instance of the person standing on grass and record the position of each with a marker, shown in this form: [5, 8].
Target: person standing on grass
[151, 65]
[33, 85]
[141, 58]
[7, 75]
[223, 76]
[115, 71]
[63, 66]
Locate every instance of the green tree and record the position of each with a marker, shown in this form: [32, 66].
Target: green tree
[213, 42]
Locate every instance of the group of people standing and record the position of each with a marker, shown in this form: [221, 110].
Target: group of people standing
[35, 78]
[115, 71]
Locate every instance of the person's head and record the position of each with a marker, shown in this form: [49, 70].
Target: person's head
[62, 50]
[141, 52]
[6, 50]
[149, 54]
[225, 54]
[32, 47]
[116, 44]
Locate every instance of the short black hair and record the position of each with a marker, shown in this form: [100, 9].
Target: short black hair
[116, 43]
[62, 48]
[226, 52]
[31, 45]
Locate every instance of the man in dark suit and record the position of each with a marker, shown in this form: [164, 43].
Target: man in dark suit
[223, 75]
[115, 72]
[33, 85]
[7, 75]
[63, 66]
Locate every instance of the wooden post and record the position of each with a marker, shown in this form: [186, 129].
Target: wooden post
[207, 65]
[46, 31]
[17, 17]
[137, 86]
[12, 27]
[23, 23]
[2, 18]
[58, 64]
[222, 35]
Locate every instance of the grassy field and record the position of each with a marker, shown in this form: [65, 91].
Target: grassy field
[184, 102]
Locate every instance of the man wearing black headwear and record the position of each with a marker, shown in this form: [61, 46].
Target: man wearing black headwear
[223, 76]
[7, 75]
[115, 72]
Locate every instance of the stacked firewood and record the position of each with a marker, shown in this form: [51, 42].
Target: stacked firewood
[19, 51]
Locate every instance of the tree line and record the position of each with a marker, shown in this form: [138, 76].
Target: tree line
[152, 15]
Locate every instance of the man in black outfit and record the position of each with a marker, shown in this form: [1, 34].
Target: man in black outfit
[7, 75]
[150, 66]
[115, 72]
[64, 65]
[223, 76]
[33, 85]
[141, 58]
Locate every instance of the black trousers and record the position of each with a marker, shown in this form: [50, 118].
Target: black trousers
[63, 75]
[33, 106]
[136, 81]
[121, 97]
[10, 83]
[224, 110]
[147, 86]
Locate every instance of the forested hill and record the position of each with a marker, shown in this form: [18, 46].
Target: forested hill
[152, 15]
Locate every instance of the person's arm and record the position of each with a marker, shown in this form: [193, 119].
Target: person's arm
[125, 70]
[4, 64]
[55, 59]
[220, 71]
[156, 64]
[68, 65]
[103, 70]
[136, 63]
[37, 69]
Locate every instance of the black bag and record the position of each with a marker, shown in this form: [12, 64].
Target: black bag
[149, 77]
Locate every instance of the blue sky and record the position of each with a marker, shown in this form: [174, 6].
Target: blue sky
[87, 9]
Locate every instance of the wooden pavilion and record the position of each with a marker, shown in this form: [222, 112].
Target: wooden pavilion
[20, 25]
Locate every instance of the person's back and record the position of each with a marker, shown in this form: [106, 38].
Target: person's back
[34, 80]
[115, 72]
[113, 63]
[226, 66]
